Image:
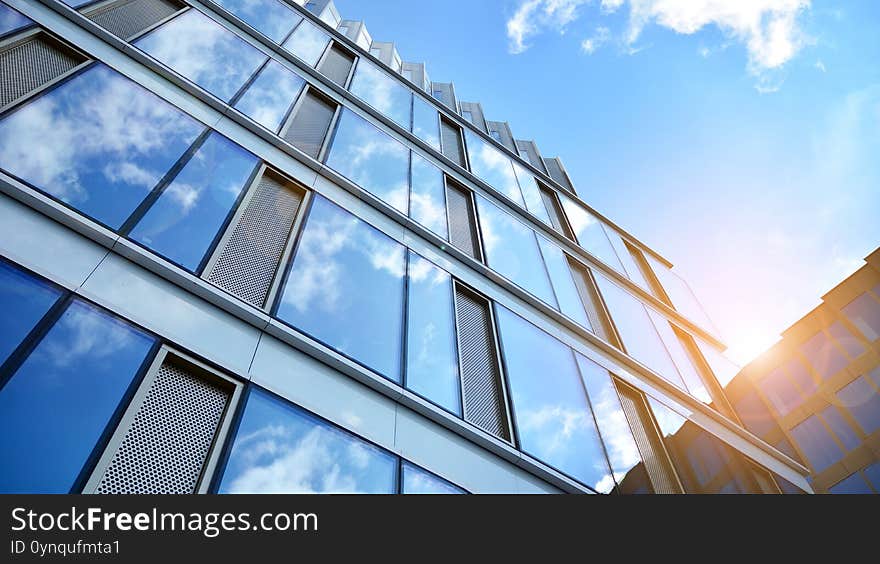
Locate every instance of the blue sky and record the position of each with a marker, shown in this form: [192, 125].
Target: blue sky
[740, 139]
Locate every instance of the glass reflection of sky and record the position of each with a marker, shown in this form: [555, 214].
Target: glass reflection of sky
[183, 222]
[24, 300]
[345, 288]
[816, 443]
[681, 295]
[490, 164]
[76, 3]
[371, 159]
[563, 285]
[552, 414]
[204, 52]
[57, 404]
[279, 448]
[426, 122]
[11, 20]
[97, 142]
[270, 17]
[531, 193]
[512, 251]
[629, 264]
[384, 93]
[270, 95]
[418, 481]
[427, 199]
[863, 402]
[307, 42]
[431, 362]
[680, 357]
[590, 233]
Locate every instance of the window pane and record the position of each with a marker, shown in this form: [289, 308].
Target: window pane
[307, 42]
[345, 288]
[98, 142]
[432, 364]
[531, 193]
[802, 377]
[590, 233]
[680, 357]
[723, 368]
[384, 93]
[418, 481]
[563, 285]
[754, 414]
[845, 339]
[864, 313]
[427, 199]
[823, 356]
[816, 443]
[613, 426]
[24, 300]
[638, 334]
[183, 222]
[551, 409]
[268, 99]
[854, 484]
[270, 17]
[58, 403]
[370, 159]
[426, 122]
[863, 402]
[204, 52]
[280, 448]
[680, 294]
[489, 164]
[11, 20]
[840, 427]
[629, 264]
[780, 391]
[512, 251]
[872, 472]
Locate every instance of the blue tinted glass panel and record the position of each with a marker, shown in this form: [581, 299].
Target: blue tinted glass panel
[268, 99]
[680, 357]
[204, 52]
[780, 391]
[427, 198]
[550, 406]
[841, 428]
[816, 443]
[307, 42]
[384, 93]
[11, 20]
[563, 284]
[854, 484]
[98, 142]
[189, 214]
[590, 233]
[680, 294]
[845, 339]
[823, 356]
[76, 3]
[418, 481]
[864, 313]
[280, 448]
[490, 164]
[55, 407]
[512, 251]
[431, 361]
[371, 159]
[24, 300]
[270, 17]
[345, 288]
[802, 377]
[426, 122]
[863, 403]
[531, 193]
[872, 473]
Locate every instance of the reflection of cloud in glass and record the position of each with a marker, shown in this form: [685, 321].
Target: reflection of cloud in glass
[268, 98]
[10, 19]
[89, 335]
[204, 52]
[270, 17]
[531, 193]
[426, 122]
[492, 166]
[418, 481]
[307, 42]
[427, 203]
[382, 92]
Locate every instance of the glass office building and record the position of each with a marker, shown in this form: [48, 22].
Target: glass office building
[246, 248]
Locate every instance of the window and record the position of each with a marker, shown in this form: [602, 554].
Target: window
[187, 217]
[489, 164]
[59, 401]
[512, 251]
[624, 253]
[680, 295]
[270, 17]
[307, 42]
[722, 367]
[816, 443]
[551, 409]
[468, 115]
[426, 121]
[280, 448]
[823, 356]
[450, 136]
[563, 285]
[371, 159]
[683, 358]
[204, 52]
[427, 201]
[531, 193]
[754, 414]
[337, 65]
[590, 233]
[345, 288]
[438, 94]
[840, 427]
[845, 339]
[378, 89]
[802, 377]
[462, 222]
[431, 359]
[418, 481]
[854, 484]
[343, 29]
[554, 211]
[863, 403]
[872, 473]
[780, 391]
[495, 135]
[85, 158]
[10, 20]
[270, 96]
[24, 300]
[310, 124]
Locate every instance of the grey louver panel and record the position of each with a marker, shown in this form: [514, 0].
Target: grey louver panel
[531, 154]
[450, 137]
[337, 65]
[167, 443]
[462, 231]
[28, 64]
[556, 173]
[482, 390]
[127, 18]
[249, 258]
[310, 124]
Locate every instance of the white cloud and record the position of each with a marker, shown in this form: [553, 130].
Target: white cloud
[599, 38]
[533, 16]
[820, 65]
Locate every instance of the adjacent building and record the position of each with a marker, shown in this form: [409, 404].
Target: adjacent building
[246, 248]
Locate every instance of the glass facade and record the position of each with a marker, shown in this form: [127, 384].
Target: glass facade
[270, 96]
[272, 18]
[24, 300]
[10, 20]
[307, 42]
[387, 95]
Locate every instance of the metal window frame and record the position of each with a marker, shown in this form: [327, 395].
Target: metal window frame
[473, 220]
[91, 9]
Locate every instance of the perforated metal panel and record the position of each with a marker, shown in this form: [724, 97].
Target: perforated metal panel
[337, 65]
[462, 231]
[127, 18]
[31, 63]
[483, 396]
[249, 259]
[450, 138]
[168, 442]
[310, 124]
